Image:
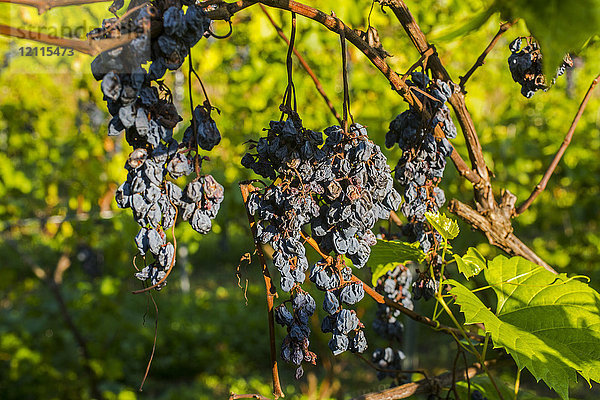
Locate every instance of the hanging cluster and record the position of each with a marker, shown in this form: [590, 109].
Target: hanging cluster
[525, 64]
[294, 348]
[423, 161]
[336, 282]
[142, 106]
[340, 186]
[421, 167]
[395, 285]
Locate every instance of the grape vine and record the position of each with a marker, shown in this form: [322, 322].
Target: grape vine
[142, 105]
[327, 189]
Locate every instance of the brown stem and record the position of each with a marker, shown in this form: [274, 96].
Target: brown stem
[497, 234]
[246, 188]
[396, 219]
[483, 189]
[305, 65]
[234, 396]
[423, 386]
[412, 314]
[481, 59]
[463, 169]
[45, 5]
[563, 147]
[153, 343]
[454, 366]
[315, 246]
[227, 10]
[335, 25]
[89, 47]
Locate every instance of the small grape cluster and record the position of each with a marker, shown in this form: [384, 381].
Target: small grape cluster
[340, 186]
[525, 64]
[294, 348]
[395, 286]
[425, 286]
[389, 361]
[142, 106]
[336, 282]
[423, 161]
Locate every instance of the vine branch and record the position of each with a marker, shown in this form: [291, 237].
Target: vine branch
[46, 5]
[89, 47]
[246, 188]
[457, 100]
[491, 218]
[305, 65]
[481, 59]
[424, 385]
[563, 147]
[227, 10]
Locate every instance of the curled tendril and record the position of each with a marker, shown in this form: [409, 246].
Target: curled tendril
[211, 33]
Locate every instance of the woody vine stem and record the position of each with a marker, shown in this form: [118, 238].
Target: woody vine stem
[488, 215]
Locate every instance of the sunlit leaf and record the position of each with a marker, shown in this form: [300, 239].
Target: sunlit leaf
[471, 264]
[447, 227]
[385, 255]
[548, 323]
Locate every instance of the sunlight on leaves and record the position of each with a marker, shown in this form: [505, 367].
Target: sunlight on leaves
[385, 255]
[447, 227]
[549, 324]
[471, 264]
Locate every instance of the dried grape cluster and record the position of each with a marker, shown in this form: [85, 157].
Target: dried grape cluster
[423, 161]
[421, 167]
[394, 285]
[294, 348]
[340, 186]
[525, 64]
[389, 360]
[340, 290]
[142, 106]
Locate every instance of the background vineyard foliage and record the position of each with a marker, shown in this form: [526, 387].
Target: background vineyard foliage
[55, 159]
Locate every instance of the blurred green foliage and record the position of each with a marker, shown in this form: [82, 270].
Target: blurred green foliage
[56, 160]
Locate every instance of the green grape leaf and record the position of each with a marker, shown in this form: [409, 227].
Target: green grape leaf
[447, 227]
[559, 26]
[385, 255]
[548, 323]
[471, 264]
[380, 270]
